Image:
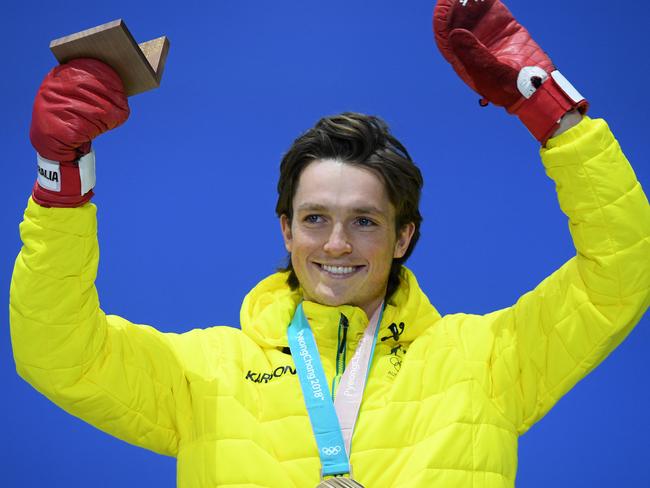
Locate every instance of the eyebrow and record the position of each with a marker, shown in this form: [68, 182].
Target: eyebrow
[317, 207]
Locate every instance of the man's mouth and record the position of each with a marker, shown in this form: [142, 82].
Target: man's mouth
[339, 271]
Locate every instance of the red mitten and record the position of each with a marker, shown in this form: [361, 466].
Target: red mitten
[76, 102]
[497, 58]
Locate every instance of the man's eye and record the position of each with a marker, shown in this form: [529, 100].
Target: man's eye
[365, 222]
[313, 219]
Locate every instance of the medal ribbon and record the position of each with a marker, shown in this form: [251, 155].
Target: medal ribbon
[332, 438]
[353, 383]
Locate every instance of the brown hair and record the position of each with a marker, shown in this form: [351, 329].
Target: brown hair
[366, 141]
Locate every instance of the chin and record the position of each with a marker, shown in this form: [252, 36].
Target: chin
[331, 299]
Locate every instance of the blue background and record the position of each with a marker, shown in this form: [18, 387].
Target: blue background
[186, 191]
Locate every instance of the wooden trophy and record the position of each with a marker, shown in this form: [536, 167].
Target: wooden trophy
[139, 65]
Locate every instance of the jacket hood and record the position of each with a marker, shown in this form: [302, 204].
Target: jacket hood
[268, 309]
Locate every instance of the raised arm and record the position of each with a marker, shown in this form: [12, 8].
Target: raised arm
[553, 336]
[123, 378]
[536, 350]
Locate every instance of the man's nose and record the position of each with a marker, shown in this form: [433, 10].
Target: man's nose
[338, 243]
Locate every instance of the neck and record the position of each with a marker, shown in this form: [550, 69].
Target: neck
[371, 307]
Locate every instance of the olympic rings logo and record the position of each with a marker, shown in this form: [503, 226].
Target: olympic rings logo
[331, 451]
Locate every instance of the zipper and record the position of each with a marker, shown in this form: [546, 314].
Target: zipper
[341, 352]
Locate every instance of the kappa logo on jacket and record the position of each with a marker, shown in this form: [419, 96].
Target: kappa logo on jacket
[266, 377]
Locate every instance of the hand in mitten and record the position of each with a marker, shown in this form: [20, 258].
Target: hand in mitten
[76, 102]
[497, 58]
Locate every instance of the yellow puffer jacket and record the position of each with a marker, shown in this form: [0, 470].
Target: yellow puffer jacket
[446, 399]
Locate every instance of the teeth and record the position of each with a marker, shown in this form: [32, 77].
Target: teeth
[338, 269]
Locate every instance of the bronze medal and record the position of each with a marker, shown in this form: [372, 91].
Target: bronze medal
[339, 482]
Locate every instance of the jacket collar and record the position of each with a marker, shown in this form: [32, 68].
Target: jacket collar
[268, 309]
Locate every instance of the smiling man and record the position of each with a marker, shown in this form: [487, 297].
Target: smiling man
[346, 229]
[343, 373]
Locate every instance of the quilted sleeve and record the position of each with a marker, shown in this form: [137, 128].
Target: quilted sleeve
[553, 336]
[123, 378]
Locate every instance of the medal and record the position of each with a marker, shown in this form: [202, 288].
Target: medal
[332, 421]
[339, 482]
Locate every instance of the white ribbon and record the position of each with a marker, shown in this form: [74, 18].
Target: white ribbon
[353, 382]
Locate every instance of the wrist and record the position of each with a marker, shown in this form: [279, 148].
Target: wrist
[569, 120]
[64, 184]
[543, 109]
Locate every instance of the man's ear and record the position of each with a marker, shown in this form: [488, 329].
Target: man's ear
[285, 224]
[404, 237]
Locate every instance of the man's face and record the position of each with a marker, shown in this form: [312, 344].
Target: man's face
[342, 236]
